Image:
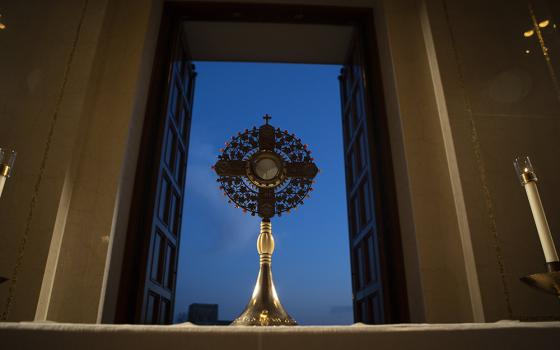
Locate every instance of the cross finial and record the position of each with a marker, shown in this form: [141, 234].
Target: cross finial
[267, 118]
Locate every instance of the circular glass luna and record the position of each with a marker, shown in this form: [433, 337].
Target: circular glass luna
[266, 168]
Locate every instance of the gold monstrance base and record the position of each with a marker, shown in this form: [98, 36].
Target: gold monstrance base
[264, 308]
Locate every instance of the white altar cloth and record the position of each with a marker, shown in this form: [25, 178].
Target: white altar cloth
[500, 335]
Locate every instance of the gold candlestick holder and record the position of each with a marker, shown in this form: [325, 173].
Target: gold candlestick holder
[547, 282]
[7, 159]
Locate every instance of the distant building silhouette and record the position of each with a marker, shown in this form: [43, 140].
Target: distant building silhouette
[205, 314]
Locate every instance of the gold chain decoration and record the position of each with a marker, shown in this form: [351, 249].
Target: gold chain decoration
[23, 242]
[481, 168]
[544, 50]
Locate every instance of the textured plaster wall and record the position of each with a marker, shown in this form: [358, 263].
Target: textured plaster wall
[69, 98]
[106, 167]
[501, 102]
[436, 272]
[45, 65]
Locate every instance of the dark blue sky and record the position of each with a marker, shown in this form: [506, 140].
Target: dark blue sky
[218, 261]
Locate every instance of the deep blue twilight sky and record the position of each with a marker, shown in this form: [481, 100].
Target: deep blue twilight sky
[218, 261]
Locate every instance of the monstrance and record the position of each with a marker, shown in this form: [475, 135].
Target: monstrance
[265, 171]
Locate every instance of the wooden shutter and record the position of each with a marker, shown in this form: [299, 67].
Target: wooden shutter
[367, 288]
[157, 278]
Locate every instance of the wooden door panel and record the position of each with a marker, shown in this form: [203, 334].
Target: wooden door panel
[157, 295]
[151, 307]
[170, 256]
[164, 315]
[170, 148]
[360, 186]
[164, 202]
[157, 252]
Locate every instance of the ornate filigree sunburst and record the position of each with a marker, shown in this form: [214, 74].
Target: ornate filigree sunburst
[266, 171]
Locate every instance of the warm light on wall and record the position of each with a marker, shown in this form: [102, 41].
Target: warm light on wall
[2, 25]
[544, 23]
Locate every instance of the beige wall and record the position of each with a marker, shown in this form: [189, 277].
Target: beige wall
[501, 103]
[47, 54]
[436, 272]
[72, 66]
[106, 169]
[81, 69]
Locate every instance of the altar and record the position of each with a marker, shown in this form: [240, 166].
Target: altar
[500, 335]
[440, 229]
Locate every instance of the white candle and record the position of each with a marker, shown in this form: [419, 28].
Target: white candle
[528, 179]
[545, 236]
[2, 182]
[7, 159]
